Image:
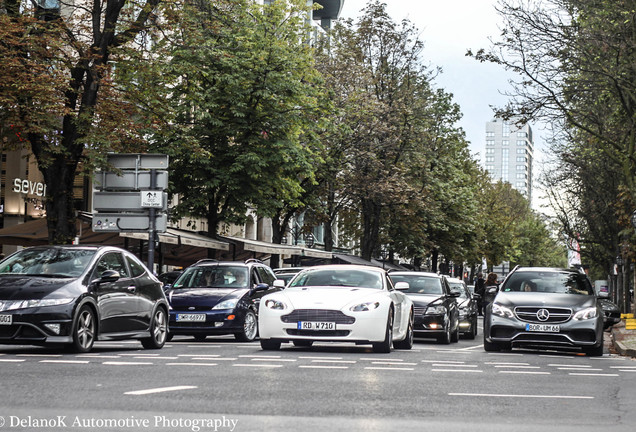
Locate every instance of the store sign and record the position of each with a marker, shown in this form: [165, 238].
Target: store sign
[29, 188]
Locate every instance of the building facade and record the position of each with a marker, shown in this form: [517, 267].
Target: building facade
[509, 154]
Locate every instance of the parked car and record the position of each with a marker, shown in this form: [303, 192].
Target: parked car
[75, 295]
[287, 273]
[467, 304]
[545, 307]
[611, 311]
[435, 307]
[216, 298]
[343, 303]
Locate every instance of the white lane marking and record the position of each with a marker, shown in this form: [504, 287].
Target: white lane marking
[569, 365]
[38, 355]
[523, 372]
[335, 361]
[471, 348]
[443, 361]
[578, 369]
[320, 358]
[203, 346]
[12, 360]
[140, 354]
[159, 390]
[258, 365]
[622, 367]
[394, 363]
[322, 367]
[389, 368]
[507, 363]
[457, 370]
[198, 355]
[191, 364]
[375, 359]
[215, 358]
[274, 359]
[259, 356]
[627, 370]
[521, 396]
[65, 361]
[98, 356]
[594, 374]
[452, 365]
[517, 367]
[123, 363]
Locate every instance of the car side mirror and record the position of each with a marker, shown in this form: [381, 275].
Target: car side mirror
[476, 296]
[260, 287]
[455, 293]
[107, 276]
[279, 283]
[603, 295]
[402, 286]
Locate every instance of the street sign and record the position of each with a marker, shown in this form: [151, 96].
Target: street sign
[123, 222]
[130, 180]
[152, 199]
[138, 161]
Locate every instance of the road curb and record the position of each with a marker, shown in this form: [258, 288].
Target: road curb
[620, 347]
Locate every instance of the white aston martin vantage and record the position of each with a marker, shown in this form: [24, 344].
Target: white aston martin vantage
[342, 303]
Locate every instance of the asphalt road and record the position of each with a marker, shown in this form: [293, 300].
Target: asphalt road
[222, 385]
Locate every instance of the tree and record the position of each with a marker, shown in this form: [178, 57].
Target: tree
[247, 100]
[58, 92]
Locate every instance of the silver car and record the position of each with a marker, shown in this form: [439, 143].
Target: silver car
[545, 307]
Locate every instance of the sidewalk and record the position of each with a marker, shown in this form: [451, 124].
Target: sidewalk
[624, 340]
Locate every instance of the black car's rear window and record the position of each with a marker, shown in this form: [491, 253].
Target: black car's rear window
[548, 282]
[420, 284]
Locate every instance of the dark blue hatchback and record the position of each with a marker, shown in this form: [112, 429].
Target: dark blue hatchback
[216, 298]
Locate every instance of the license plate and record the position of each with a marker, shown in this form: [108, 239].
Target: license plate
[315, 325]
[6, 319]
[191, 317]
[543, 328]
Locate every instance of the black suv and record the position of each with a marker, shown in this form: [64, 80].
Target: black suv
[435, 306]
[215, 298]
[545, 307]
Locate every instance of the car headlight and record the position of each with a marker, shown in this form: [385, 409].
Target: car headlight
[365, 307]
[436, 310]
[274, 304]
[227, 304]
[586, 314]
[502, 311]
[7, 305]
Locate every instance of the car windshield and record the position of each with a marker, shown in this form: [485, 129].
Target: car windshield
[213, 277]
[420, 284]
[338, 278]
[51, 262]
[459, 287]
[548, 282]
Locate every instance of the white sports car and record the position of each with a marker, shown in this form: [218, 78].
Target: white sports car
[343, 303]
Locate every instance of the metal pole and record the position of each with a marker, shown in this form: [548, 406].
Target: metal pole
[153, 224]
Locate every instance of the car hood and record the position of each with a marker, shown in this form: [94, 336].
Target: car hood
[24, 287]
[203, 296]
[423, 300]
[520, 299]
[327, 297]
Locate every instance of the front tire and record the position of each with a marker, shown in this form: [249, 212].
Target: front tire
[385, 345]
[270, 345]
[84, 330]
[158, 331]
[445, 339]
[596, 351]
[407, 342]
[250, 328]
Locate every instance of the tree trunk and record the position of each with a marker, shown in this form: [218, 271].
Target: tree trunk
[370, 228]
[434, 258]
[59, 176]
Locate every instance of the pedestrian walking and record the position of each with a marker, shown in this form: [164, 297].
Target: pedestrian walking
[490, 290]
[480, 284]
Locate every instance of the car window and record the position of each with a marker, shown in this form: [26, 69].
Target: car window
[420, 284]
[548, 282]
[136, 268]
[213, 277]
[459, 287]
[338, 278]
[265, 275]
[111, 261]
[48, 261]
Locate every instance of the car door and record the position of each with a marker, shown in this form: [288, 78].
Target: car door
[398, 299]
[147, 290]
[451, 304]
[117, 301]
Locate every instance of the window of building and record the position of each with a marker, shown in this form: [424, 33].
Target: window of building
[521, 167]
[490, 142]
[490, 158]
[521, 151]
[505, 129]
[522, 134]
[490, 151]
[505, 142]
[490, 134]
[521, 142]
[521, 158]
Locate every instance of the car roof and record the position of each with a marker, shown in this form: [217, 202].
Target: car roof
[345, 267]
[547, 269]
[415, 273]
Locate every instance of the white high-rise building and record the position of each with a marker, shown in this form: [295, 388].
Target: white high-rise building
[509, 154]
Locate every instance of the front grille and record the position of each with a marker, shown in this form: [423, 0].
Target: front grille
[326, 315]
[556, 315]
[419, 310]
[323, 333]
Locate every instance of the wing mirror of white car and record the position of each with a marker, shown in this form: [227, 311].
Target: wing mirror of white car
[402, 286]
[279, 283]
[603, 295]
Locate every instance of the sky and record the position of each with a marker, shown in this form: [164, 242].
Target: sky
[449, 28]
